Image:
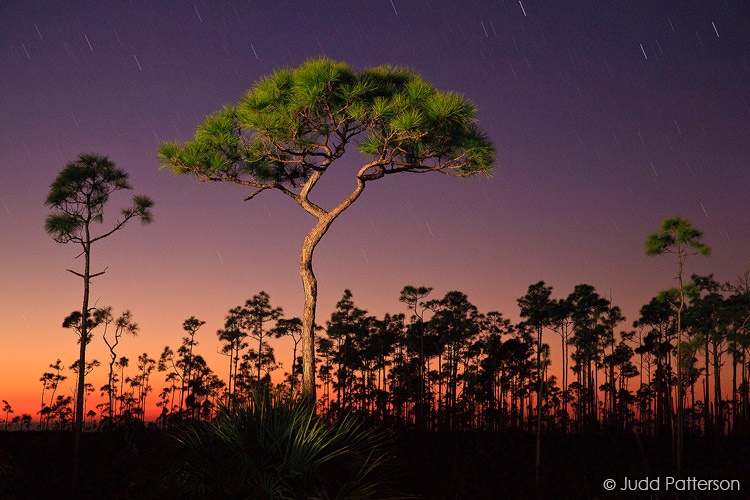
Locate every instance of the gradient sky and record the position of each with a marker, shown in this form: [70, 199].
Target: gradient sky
[608, 116]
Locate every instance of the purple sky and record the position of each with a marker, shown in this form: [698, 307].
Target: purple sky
[608, 117]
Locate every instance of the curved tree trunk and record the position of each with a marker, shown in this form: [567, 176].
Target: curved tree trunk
[309, 282]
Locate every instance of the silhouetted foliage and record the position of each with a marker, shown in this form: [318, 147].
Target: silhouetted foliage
[274, 447]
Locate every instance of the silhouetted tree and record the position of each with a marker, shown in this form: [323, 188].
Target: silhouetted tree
[203, 391]
[25, 421]
[145, 365]
[620, 369]
[658, 316]
[538, 309]
[233, 336]
[176, 378]
[294, 124]
[50, 382]
[123, 324]
[291, 328]
[493, 375]
[122, 363]
[345, 326]
[707, 317]
[678, 236]
[413, 296]
[256, 313]
[456, 321]
[8, 409]
[515, 355]
[738, 338]
[88, 388]
[325, 349]
[191, 327]
[60, 411]
[612, 317]
[74, 321]
[562, 324]
[77, 197]
[589, 312]
[384, 351]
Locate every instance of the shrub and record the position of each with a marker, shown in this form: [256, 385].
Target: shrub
[280, 448]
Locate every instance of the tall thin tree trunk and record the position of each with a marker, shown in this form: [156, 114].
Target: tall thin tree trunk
[680, 389]
[735, 399]
[707, 421]
[562, 380]
[260, 348]
[422, 374]
[744, 388]
[564, 350]
[229, 380]
[294, 368]
[538, 461]
[717, 388]
[78, 427]
[614, 420]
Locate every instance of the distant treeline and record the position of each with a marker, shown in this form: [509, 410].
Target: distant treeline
[447, 366]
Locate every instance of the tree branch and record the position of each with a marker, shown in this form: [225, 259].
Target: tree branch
[76, 273]
[100, 273]
[256, 193]
[303, 197]
[90, 276]
[119, 224]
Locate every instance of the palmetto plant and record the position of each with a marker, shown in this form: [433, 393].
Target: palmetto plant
[276, 447]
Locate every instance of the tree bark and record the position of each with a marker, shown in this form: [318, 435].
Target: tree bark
[309, 282]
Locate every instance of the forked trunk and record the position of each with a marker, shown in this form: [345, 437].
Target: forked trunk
[310, 285]
[309, 282]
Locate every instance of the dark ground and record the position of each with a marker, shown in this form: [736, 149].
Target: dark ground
[138, 464]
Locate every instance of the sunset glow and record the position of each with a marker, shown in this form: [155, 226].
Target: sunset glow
[607, 117]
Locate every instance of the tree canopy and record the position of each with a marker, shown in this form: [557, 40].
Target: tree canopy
[292, 125]
[79, 194]
[676, 235]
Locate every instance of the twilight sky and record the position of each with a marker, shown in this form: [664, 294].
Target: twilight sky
[608, 116]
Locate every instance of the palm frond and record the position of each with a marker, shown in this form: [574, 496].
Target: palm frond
[279, 448]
